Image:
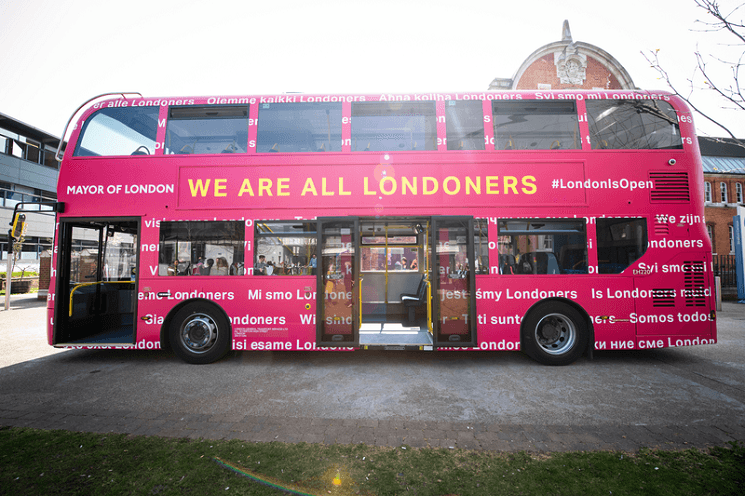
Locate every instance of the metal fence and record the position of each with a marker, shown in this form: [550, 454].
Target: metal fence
[724, 267]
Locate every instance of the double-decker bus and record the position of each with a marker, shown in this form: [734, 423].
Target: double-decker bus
[552, 222]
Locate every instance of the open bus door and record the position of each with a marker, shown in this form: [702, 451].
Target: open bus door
[96, 282]
[453, 282]
[337, 308]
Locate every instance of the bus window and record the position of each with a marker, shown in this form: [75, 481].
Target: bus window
[299, 127]
[465, 124]
[119, 131]
[393, 126]
[633, 124]
[201, 248]
[542, 246]
[535, 125]
[621, 242]
[288, 248]
[207, 130]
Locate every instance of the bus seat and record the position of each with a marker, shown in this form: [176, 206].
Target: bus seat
[414, 300]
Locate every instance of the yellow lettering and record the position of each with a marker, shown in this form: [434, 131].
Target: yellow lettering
[509, 183]
[492, 185]
[309, 187]
[341, 188]
[471, 186]
[393, 182]
[246, 188]
[199, 187]
[529, 181]
[220, 187]
[434, 185]
[405, 184]
[323, 188]
[449, 191]
[282, 186]
[265, 184]
[367, 190]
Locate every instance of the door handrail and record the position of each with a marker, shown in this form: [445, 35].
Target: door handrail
[75, 288]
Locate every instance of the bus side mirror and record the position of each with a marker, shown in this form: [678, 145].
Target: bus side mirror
[18, 224]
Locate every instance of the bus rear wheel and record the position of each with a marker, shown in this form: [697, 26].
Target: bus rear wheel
[199, 333]
[554, 334]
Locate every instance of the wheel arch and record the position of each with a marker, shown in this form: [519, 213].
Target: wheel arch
[573, 304]
[165, 342]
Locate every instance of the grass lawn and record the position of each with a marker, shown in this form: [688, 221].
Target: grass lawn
[35, 461]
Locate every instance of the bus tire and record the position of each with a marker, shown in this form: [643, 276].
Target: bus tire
[199, 333]
[554, 334]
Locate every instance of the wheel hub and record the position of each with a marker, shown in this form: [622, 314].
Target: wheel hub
[550, 332]
[199, 333]
[555, 334]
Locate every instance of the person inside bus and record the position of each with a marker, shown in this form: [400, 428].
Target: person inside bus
[313, 264]
[403, 263]
[207, 269]
[260, 267]
[173, 268]
[221, 267]
[236, 269]
[414, 265]
[197, 270]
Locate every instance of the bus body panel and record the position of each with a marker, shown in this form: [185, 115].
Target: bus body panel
[663, 298]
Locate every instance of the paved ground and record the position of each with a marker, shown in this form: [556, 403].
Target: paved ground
[668, 398]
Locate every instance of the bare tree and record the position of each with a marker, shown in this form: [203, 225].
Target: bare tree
[729, 91]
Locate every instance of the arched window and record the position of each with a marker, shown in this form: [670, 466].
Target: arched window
[707, 192]
[723, 191]
[738, 192]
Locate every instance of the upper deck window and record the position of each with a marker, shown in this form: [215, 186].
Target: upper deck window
[119, 131]
[207, 130]
[465, 125]
[299, 127]
[393, 126]
[633, 124]
[535, 125]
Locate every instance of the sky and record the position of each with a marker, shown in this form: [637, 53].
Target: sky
[57, 54]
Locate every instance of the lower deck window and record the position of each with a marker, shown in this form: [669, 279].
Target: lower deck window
[542, 246]
[621, 242]
[285, 248]
[201, 248]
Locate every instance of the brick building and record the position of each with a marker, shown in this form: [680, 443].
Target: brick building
[724, 189]
[567, 64]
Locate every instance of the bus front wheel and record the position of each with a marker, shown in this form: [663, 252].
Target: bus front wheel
[199, 333]
[554, 334]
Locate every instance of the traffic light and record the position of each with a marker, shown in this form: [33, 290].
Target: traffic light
[18, 226]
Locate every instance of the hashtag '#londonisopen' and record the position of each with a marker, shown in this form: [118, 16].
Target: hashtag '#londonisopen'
[555, 184]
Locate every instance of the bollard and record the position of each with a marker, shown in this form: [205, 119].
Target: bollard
[718, 284]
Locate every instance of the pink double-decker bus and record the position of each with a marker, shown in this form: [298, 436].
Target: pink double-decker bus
[552, 222]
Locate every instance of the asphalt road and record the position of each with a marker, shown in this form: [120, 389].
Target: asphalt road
[700, 387]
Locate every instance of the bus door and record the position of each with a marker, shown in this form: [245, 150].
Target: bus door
[96, 282]
[337, 274]
[454, 295]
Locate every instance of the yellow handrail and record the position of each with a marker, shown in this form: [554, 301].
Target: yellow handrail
[75, 288]
[359, 301]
